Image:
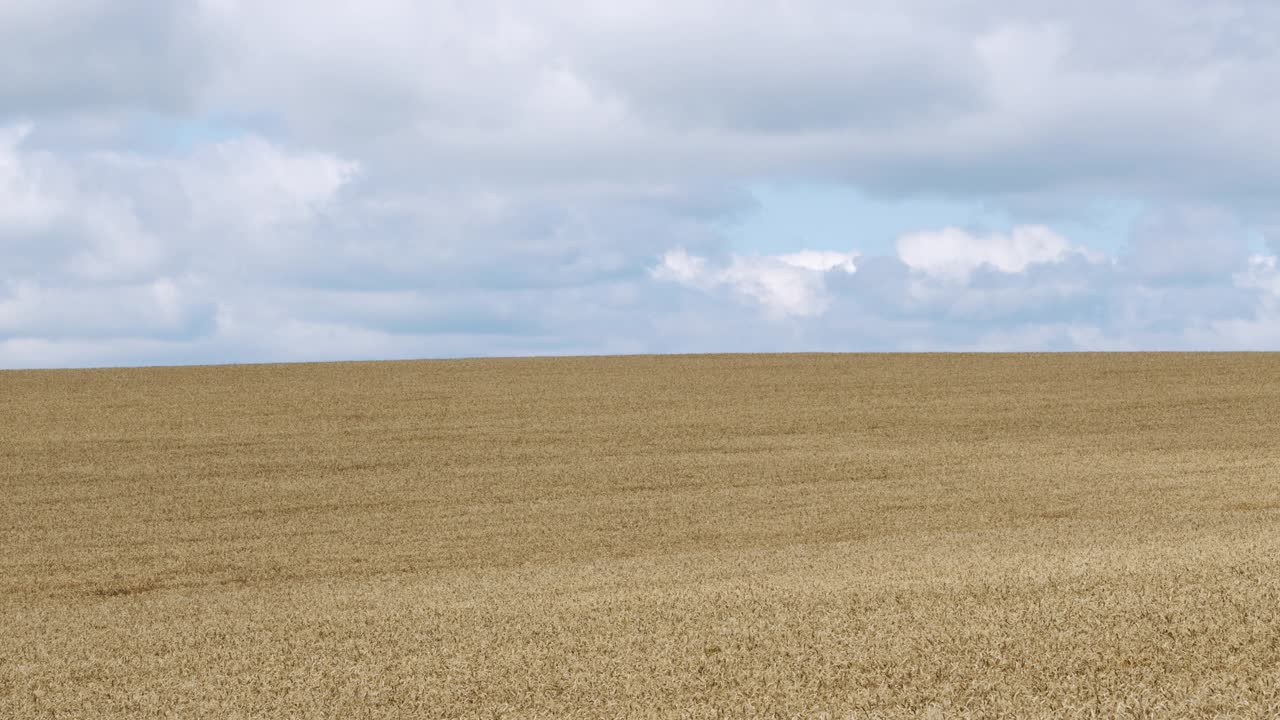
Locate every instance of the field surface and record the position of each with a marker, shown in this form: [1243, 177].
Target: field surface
[877, 536]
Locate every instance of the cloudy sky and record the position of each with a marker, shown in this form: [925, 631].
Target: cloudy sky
[230, 181]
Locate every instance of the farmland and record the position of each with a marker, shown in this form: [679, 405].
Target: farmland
[863, 536]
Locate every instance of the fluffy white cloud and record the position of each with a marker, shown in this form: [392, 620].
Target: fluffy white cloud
[111, 217]
[24, 208]
[1030, 288]
[159, 309]
[791, 285]
[821, 260]
[954, 254]
[1263, 274]
[255, 186]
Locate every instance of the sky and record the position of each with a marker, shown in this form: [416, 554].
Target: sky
[216, 181]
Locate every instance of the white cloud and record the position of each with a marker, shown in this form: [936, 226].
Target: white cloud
[821, 260]
[1259, 329]
[254, 185]
[954, 254]
[1263, 273]
[791, 285]
[679, 266]
[112, 217]
[164, 308]
[26, 207]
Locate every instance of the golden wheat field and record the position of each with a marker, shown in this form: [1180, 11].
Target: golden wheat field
[860, 536]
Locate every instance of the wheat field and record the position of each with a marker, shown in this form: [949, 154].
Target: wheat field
[843, 536]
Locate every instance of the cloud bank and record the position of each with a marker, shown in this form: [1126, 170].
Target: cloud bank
[220, 181]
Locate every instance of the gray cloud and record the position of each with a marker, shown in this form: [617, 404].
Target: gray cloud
[778, 71]
[219, 179]
[106, 56]
[1188, 244]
